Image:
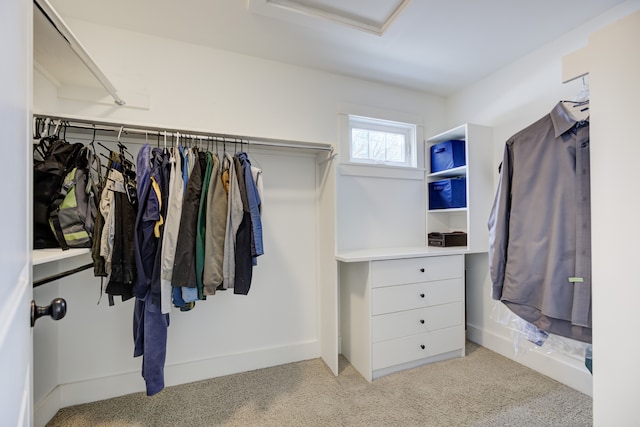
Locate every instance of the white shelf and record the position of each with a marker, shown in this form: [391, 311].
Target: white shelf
[447, 210]
[459, 133]
[43, 256]
[449, 173]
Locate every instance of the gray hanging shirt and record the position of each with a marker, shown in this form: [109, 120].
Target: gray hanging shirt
[540, 226]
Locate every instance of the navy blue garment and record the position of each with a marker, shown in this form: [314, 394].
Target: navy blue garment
[148, 214]
[149, 324]
[161, 171]
[253, 200]
[150, 332]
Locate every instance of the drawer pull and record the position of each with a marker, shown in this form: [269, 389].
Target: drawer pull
[422, 321]
[422, 346]
[421, 295]
[422, 270]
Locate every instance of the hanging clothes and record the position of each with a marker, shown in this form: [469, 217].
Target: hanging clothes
[116, 247]
[254, 202]
[149, 323]
[215, 227]
[249, 234]
[148, 214]
[123, 266]
[107, 206]
[200, 232]
[234, 218]
[184, 267]
[99, 269]
[171, 228]
[540, 253]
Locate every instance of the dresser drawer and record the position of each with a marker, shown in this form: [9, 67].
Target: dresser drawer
[415, 270]
[401, 350]
[412, 322]
[416, 295]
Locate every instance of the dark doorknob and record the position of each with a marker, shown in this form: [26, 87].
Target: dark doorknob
[57, 309]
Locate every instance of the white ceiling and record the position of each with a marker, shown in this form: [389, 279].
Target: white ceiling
[438, 46]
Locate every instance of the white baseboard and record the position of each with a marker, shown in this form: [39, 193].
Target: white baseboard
[46, 408]
[561, 368]
[95, 389]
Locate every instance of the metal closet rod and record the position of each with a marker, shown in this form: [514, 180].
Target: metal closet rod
[62, 275]
[188, 134]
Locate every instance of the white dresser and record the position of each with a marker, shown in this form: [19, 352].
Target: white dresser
[401, 310]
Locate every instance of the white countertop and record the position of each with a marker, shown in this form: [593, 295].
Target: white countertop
[377, 254]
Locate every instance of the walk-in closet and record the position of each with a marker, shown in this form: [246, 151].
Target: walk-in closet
[353, 258]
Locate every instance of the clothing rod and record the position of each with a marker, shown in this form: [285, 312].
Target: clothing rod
[187, 134]
[61, 27]
[53, 277]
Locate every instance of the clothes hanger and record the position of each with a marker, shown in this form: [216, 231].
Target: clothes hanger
[582, 97]
[97, 169]
[123, 148]
[253, 158]
[41, 132]
[56, 130]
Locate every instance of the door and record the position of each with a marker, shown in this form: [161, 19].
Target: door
[16, 402]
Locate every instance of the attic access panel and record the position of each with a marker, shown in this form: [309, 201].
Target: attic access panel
[373, 16]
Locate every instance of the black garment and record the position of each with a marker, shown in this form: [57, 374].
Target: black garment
[123, 263]
[244, 259]
[184, 266]
[99, 269]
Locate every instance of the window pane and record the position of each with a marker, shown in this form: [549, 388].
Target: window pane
[395, 148]
[377, 145]
[381, 142]
[360, 143]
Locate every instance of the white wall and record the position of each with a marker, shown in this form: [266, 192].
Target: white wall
[190, 86]
[380, 212]
[193, 87]
[383, 207]
[508, 101]
[614, 156]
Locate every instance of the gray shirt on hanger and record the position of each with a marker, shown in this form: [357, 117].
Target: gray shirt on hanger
[540, 226]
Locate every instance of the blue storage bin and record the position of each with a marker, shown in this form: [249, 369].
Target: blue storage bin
[448, 193]
[446, 155]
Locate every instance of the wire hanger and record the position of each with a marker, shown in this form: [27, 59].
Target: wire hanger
[252, 157]
[56, 129]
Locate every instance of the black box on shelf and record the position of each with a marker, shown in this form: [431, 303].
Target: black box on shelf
[457, 238]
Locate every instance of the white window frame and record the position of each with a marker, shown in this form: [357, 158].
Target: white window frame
[409, 131]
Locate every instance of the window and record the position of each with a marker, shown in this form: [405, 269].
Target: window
[375, 141]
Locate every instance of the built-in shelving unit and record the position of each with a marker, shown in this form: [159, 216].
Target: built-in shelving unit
[479, 186]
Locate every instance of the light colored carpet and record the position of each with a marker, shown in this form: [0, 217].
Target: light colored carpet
[483, 389]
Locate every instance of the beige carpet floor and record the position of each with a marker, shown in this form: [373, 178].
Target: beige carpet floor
[482, 389]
